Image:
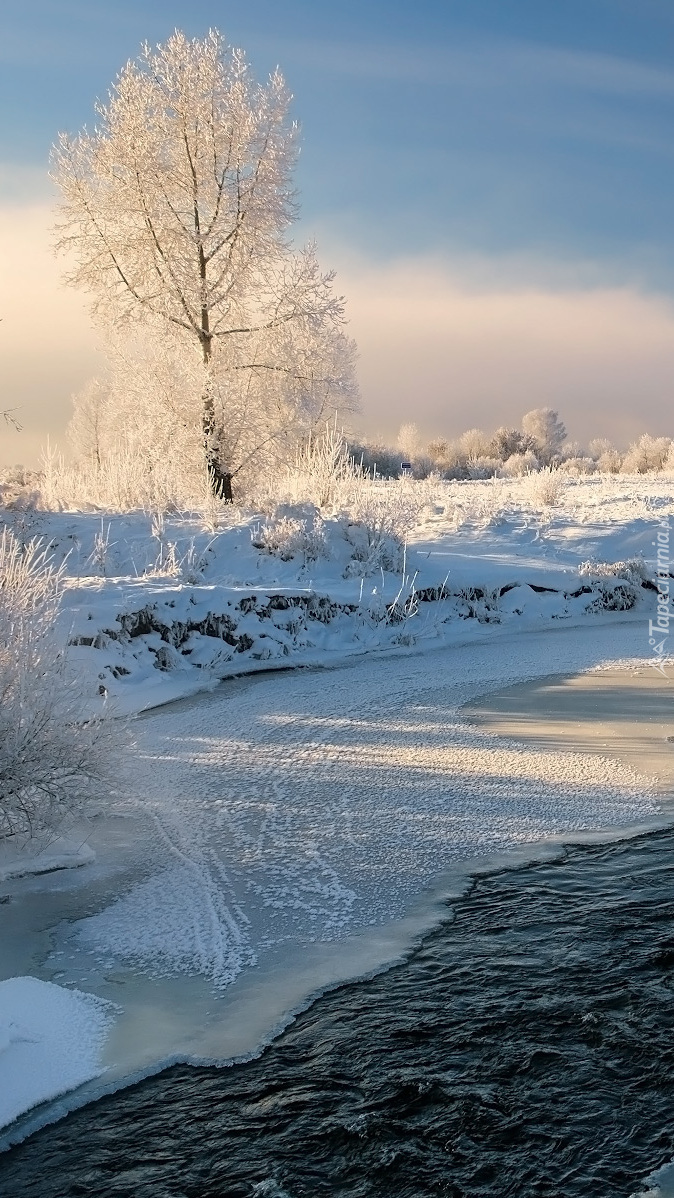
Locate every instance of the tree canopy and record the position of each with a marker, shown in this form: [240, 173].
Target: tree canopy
[176, 212]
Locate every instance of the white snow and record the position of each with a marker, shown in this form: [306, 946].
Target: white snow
[289, 831]
[50, 1042]
[54, 856]
[142, 617]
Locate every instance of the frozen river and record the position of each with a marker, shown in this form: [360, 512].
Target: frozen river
[294, 830]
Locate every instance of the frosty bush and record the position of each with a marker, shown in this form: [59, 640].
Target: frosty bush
[482, 467]
[324, 472]
[51, 762]
[380, 518]
[519, 464]
[547, 487]
[632, 570]
[645, 455]
[605, 454]
[287, 537]
[123, 482]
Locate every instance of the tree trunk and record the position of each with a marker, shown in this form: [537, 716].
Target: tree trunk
[220, 480]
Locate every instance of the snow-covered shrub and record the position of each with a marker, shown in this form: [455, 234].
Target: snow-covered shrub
[323, 472]
[448, 458]
[19, 488]
[632, 570]
[287, 537]
[482, 505]
[422, 466]
[193, 564]
[605, 454]
[547, 487]
[646, 455]
[482, 467]
[376, 459]
[578, 465]
[438, 451]
[480, 603]
[51, 761]
[519, 464]
[372, 552]
[380, 518]
[123, 482]
[508, 441]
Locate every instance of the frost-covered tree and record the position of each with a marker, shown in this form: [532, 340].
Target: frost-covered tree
[474, 443]
[176, 211]
[408, 441]
[508, 441]
[605, 454]
[51, 760]
[646, 454]
[89, 430]
[545, 432]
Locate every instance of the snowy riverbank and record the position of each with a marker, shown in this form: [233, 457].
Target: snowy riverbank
[290, 831]
[156, 608]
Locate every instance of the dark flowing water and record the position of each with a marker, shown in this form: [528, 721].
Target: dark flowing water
[526, 1048]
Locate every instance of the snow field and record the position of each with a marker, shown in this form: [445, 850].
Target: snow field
[155, 608]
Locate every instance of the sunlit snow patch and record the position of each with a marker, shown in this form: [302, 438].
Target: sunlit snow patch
[51, 1040]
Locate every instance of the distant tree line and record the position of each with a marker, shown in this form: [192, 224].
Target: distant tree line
[540, 442]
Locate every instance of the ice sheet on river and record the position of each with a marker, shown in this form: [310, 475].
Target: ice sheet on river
[297, 809]
[286, 818]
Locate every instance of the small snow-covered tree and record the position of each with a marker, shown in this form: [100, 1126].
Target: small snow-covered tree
[408, 441]
[474, 443]
[51, 761]
[605, 454]
[90, 427]
[546, 433]
[507, 441]
[176, 211]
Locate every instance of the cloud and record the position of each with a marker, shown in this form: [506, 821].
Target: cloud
[447, 344]
[450, 347]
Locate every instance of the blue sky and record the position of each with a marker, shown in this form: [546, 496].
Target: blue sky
[482, 125]
[522, 143]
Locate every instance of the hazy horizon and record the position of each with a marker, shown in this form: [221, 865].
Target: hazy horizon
[492, 188]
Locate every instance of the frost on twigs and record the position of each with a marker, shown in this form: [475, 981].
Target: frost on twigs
[323, 473]
[633, 570]
[51, 761]
[547, 487]
[617, 584]
[287, 537]
[226, 344]
[380, 519]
